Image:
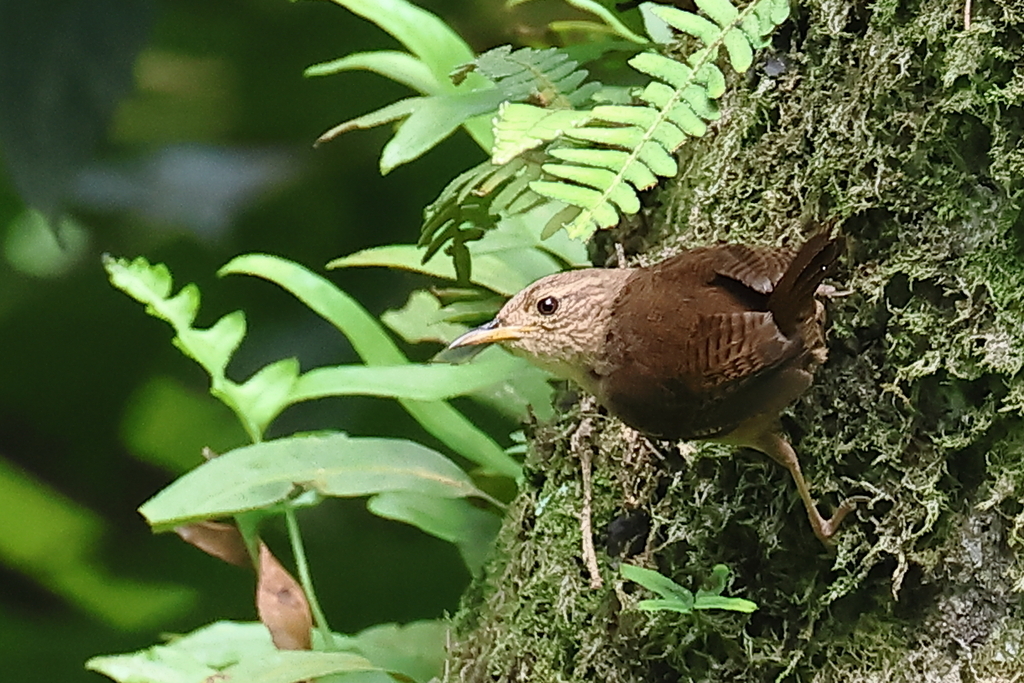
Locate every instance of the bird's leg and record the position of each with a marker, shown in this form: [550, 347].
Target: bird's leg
[778, 449]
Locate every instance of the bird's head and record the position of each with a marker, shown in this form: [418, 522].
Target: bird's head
[558, 323]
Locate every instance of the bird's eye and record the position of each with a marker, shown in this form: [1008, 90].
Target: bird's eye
[547, 305]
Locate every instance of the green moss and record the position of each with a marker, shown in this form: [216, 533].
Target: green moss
[905, 128]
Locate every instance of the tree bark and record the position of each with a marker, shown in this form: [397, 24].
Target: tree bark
[903, 125]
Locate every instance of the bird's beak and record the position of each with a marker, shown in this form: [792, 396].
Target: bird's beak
[476, 340]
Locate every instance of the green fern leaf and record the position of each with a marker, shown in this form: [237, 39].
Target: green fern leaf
[741, 54]
[612, 184]
[522, 127]
[689, 23]
[641, 117]
[628, 137]
[721, 11]
[637, 175]
[609, 152]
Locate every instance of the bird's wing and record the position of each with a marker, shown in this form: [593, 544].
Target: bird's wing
[759, 268]
[731, 347]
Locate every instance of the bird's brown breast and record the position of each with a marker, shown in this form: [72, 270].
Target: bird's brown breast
[703, 342]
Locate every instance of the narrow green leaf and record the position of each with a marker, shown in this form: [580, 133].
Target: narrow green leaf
[375, 347]
[628, 137]
[687, 22]
[668, 135]
[716, 583]
[416, 382]
[513, 192]
[424, 34]
[670, 605]
[642, 117]
[751, 28]
[658, 160]
[636, 174]
[683, 116]
[780, 10]
[608, 18]
[601, 213]
[719, 602]
[596, 178]
[502, 273]
[213, 347]
[655, 582]
[603, 180]
[570, 194]
[741, 55]
[432, 120]
[703, 106]
[140, 280]
[400, 67]
[266, 474]
[677, 74]
[721, 12]
[713, 80]
[659, 94]
[455, 520]
[392, 112]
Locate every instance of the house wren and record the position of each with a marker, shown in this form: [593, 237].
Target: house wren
[710, 344]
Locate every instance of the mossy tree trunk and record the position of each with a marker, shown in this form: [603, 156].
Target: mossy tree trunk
[904, 126]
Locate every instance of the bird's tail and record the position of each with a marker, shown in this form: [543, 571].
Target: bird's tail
[792, 298]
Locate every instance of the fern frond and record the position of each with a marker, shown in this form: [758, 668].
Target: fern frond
[606, 155]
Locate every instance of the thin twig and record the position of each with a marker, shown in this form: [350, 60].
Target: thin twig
[967, 15]
[586, 525]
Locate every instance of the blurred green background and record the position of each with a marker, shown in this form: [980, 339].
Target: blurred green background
[182, 131]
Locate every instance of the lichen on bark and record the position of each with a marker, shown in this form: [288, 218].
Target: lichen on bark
[904, 127]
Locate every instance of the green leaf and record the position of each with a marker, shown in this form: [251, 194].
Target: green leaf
[409, 381]
[424, 34]
[669, 605]
[687, 22]
[653, 581]
[502, 272]
[628, 137]
[263, 396]
[658, 160]
[455, 520]
[243, 652]
[415, 650]
[266, 474]
[721, 11]
[612, 159]
[715, 583]
[719, 602]
[421, 320]
[375, 347]
[257, 401]
[400, 67]
[292, 666]
[432, 120]
[675, 598]
[392, 112]
[603, 180]
[741, 55]
[521, 127]
[608, 18]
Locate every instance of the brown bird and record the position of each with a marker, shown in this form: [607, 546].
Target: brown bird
[710, 344]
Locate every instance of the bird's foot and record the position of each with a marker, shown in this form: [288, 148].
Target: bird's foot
[825, 529]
